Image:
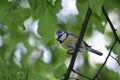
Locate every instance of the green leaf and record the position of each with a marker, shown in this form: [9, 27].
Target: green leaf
[44, 5]
[17, 34]
[40, 9]
[34, 4]
[60, 70]
[47, 26]
[10, 15]
[3, 30]
[52, 2]
[34, 76]
[81, 1]
[109, 75]
[116, 49]
[96, 5]
[97, 22]
[55, 7]
[82, 9]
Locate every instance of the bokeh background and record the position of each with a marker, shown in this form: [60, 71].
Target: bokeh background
[29, 50]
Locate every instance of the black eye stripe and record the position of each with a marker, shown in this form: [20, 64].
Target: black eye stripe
[59, 36]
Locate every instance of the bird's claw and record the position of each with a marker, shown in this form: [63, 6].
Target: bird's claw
[71, 51]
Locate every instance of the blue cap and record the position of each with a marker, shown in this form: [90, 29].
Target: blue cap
[58, 32]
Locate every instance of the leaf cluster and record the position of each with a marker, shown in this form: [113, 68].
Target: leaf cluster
[13, 32]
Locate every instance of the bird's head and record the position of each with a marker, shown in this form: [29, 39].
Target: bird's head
[61, 36]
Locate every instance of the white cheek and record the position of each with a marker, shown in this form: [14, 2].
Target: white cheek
[62, 38]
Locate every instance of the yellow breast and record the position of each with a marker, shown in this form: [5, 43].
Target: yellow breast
[69, 41]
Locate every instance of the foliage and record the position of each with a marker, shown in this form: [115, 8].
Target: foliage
[31, 63]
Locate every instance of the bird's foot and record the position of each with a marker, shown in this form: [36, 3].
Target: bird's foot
[71, 51]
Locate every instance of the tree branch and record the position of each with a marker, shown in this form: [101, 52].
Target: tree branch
[115, 59]
[71, 65]
[109, 21]
[104, 61]
[81, 75]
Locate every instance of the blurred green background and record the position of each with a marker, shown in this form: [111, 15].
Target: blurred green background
[28, 48]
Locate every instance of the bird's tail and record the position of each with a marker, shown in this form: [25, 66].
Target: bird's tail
[95, 51]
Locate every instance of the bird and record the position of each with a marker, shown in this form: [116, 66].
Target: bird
[68, 41]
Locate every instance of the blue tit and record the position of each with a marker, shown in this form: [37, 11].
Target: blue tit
[68, 42]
